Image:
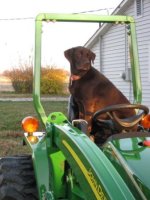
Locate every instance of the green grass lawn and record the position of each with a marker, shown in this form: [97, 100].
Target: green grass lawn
[11, 115]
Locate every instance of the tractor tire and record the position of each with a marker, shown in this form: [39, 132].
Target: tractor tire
[17, 181]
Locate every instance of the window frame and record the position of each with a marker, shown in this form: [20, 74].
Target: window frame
[138, 8]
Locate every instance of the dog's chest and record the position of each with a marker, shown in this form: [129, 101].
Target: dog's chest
[78, 89]
[74, 87]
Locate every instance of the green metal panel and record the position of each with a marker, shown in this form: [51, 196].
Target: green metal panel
[49, 167]
[130, 158]
[96, 175]
[41, 165]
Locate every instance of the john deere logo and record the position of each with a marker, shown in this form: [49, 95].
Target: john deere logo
[96, 185]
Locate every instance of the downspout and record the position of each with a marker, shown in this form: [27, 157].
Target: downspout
[100, 54]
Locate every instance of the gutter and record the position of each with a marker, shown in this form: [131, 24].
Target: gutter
[105, 27]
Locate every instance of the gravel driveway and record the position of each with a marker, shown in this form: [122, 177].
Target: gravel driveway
[30, 99]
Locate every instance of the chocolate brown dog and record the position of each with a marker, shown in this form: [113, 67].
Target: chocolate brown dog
[90, 89]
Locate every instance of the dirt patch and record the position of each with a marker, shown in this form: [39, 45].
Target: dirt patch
[11, 143]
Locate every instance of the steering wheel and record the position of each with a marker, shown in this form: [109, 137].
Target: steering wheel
[125, 123]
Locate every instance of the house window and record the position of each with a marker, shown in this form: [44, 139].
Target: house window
[139, 7]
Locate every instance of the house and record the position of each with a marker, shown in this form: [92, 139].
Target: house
[111, 47]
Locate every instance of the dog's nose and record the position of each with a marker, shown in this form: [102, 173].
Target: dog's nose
[85, 66]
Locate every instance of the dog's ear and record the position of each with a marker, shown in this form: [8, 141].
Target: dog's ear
[68, 54]
[92, 56]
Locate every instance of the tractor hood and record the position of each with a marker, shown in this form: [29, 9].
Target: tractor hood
[130, 155]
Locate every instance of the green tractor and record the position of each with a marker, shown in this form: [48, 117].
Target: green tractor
[65, 164]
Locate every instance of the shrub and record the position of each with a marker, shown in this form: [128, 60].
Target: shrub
[53, 80]
[21, 79]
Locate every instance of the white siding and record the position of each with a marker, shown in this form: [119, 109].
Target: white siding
[114, 54]
[143, 38]
[96, 50]
[115, 59]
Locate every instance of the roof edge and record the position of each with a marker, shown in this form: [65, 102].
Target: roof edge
[123, 4]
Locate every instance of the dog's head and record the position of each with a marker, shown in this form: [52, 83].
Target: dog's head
[80, 59]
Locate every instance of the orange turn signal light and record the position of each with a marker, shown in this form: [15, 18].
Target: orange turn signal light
[33, 139]
[30, 124]
[146, 143]
[145, 122]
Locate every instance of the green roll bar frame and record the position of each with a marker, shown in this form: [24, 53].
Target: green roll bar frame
[137, 91]
[91, 175]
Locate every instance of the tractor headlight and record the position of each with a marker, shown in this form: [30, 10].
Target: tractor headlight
[145, 122]
[30, 125]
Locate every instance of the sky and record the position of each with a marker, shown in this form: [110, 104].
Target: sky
[17, 20]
